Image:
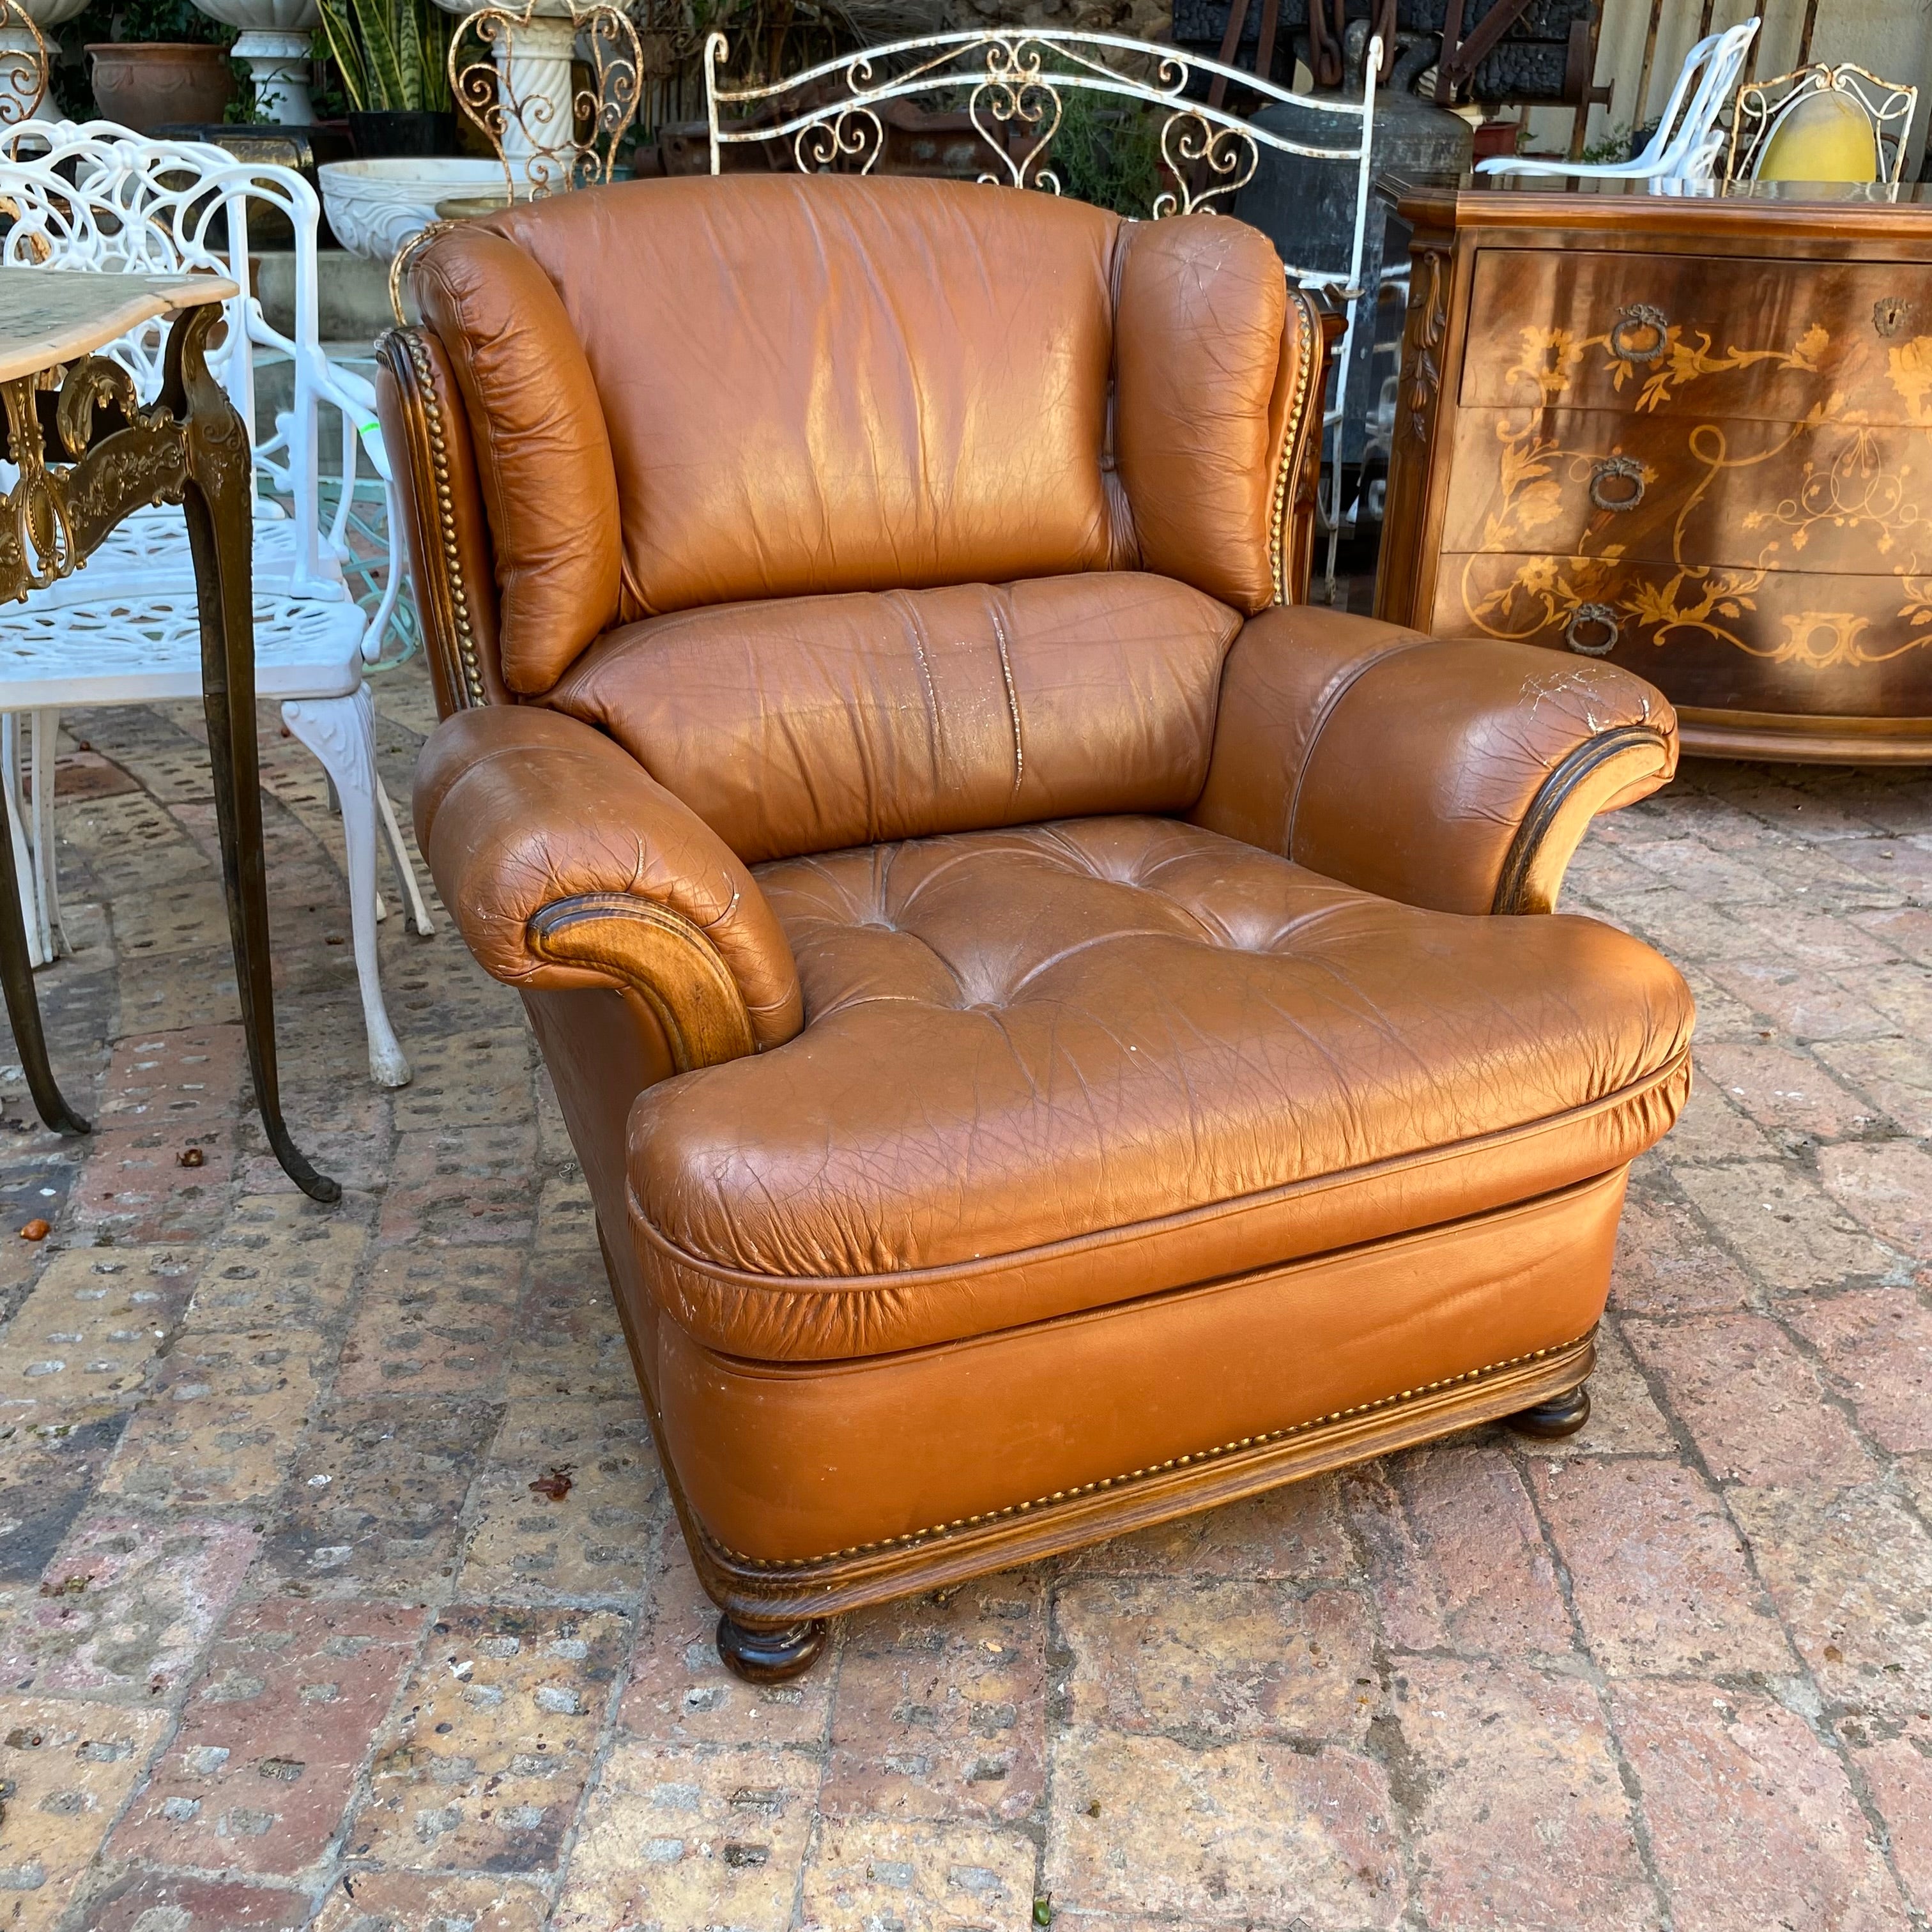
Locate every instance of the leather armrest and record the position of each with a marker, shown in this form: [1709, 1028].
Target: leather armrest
[1459, 774]
[566, 865]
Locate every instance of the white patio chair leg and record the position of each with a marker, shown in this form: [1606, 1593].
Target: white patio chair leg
[46, 865]
[340, 731]
[1334, 515]
[406, 872]
[25, 878]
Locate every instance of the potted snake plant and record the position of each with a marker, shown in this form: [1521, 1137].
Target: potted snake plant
[391, 55]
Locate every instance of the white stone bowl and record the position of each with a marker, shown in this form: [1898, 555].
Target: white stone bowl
[375, 206]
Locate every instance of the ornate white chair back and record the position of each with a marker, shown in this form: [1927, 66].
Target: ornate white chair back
[95, 196]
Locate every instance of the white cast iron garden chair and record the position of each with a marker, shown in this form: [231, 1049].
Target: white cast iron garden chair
[94, 197]
[1683, 152]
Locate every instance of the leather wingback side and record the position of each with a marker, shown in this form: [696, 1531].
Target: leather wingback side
[1212, 369]
[543, 454]
[433, 458]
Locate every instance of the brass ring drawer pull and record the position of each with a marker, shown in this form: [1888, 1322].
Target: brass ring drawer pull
[1617, 469]
[1581, 619]
[1640, 334]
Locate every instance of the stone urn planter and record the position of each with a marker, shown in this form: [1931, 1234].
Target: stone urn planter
[273, 40]
[374, 207]
[144, 84]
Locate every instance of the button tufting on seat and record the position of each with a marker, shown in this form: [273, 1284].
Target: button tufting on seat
[1051, 1090]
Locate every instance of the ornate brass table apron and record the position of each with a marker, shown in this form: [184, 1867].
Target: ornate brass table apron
[87, 455]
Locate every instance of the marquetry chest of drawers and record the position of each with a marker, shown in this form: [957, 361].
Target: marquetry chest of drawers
[1690, 435]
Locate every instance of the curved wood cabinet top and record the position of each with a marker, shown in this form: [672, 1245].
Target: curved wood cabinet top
[1693, 435]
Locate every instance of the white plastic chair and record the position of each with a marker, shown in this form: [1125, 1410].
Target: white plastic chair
[124, 629]
[1683, 152]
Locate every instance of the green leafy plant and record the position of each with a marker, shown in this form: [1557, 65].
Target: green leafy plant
[1615, 146]
[1108, 153]
[122, 20]
[392, 55]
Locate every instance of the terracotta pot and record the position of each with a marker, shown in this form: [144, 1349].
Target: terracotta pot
[1495, 137]
[143, 83]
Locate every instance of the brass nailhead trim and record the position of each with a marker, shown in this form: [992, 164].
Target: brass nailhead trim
[958, 1523]
[472, 676]
[1311, 323]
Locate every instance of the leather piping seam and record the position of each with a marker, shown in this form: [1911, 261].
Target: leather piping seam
[1291, 444]
[452, 562]
[1552, 795]
[959, 1525]
[946, 1272]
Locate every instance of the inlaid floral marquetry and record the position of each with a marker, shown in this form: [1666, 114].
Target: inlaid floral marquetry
[1710, 462]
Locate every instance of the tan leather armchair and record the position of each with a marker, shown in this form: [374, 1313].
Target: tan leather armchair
[1038, 1010]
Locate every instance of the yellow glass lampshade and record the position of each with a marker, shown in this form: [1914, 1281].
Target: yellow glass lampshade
[1827, 137]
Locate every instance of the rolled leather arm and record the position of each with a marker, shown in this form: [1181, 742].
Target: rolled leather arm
[566, 865]
[1459, 774]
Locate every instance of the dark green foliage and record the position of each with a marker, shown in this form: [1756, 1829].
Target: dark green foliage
[391, 54]
[1108, 151]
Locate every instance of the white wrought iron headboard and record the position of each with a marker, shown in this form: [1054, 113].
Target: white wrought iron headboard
[1012, 82]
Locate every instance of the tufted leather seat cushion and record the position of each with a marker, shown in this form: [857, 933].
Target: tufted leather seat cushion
[1049, 1068]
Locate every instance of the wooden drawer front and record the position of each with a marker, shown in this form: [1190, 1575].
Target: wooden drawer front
[1727, 337]
[1838, 645]
[1821, 495]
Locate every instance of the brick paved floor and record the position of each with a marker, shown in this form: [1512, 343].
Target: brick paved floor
[287, 1638]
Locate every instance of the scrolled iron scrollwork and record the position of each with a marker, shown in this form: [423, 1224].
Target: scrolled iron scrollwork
[23, 64]
[853, 133]
[1015, 99]
[492, 53]
[1208, 162]
[1011, 85]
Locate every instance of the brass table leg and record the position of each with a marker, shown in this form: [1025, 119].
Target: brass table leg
[192, 447]
[216, 500]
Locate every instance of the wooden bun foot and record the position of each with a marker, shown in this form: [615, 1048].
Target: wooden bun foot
[1549, 1421]
[769, 1656]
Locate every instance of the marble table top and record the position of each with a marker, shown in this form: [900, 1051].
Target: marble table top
[50, 316]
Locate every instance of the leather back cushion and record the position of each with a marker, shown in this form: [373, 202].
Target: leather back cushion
[825, 384]
[812, 723]
[693, 392]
